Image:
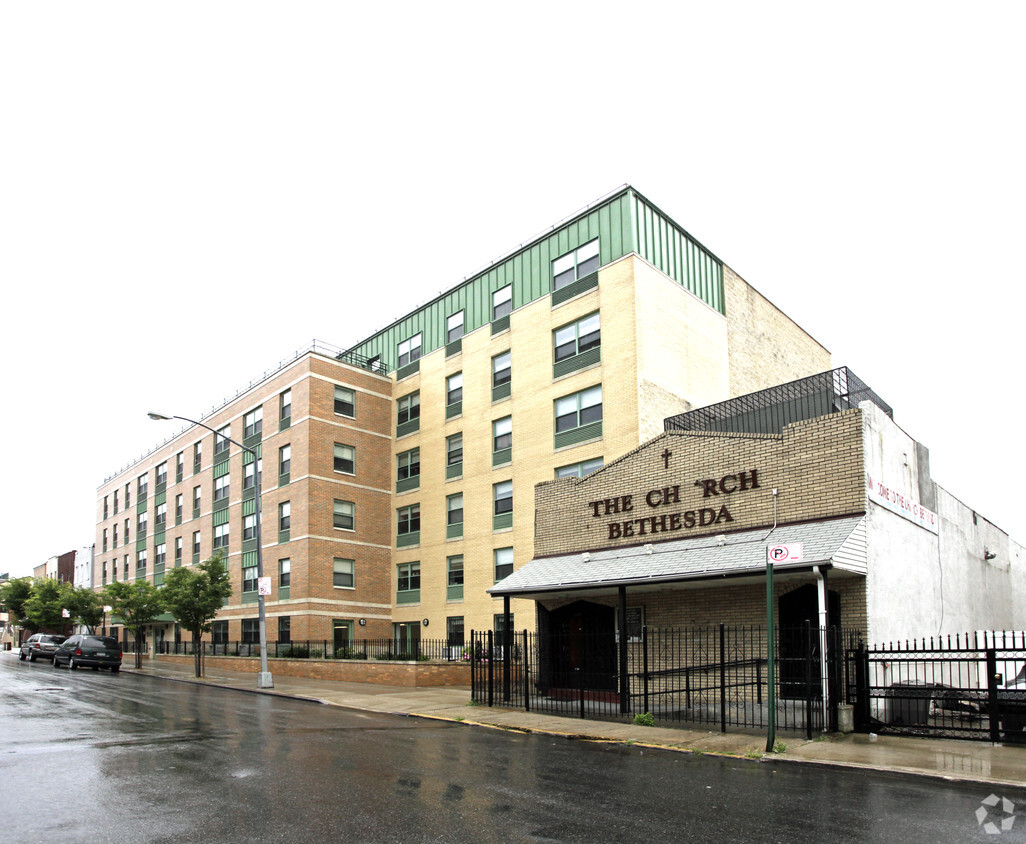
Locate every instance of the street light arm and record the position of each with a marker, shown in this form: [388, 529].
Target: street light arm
[166, 417]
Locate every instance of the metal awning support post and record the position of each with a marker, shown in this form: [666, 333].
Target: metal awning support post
[507, 642]
[622, 627]
[771, 664]
[821, 582]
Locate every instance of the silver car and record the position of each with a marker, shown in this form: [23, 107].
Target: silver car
[39, 646]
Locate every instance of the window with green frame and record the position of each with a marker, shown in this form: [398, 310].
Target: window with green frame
[454, 516]
[573, 266]
[408, 414]
[577, 345]
[502, 441]
[408, 525]
[578, 417]
[408, 583]
[407, 470]
[454, 455]
[503, 563]
[579, 470]
[454, 578]
[502, 514]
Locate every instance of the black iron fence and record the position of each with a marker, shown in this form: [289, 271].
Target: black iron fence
[425, 650]
[716, 675]
[969, 686]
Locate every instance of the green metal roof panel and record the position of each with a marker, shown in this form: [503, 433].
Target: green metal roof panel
[624, 222]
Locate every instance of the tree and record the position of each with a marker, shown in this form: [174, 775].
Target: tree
[13, 595]
[44, 609]
[194, 596]
[85, 606]
[136, 604]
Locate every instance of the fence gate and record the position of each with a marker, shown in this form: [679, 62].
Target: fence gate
[712, 676]
[969, 686]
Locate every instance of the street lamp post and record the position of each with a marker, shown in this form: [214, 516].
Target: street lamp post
[264, 678]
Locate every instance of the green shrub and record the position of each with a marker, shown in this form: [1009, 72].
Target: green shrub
[644, 719]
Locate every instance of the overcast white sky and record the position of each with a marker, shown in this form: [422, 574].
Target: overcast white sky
[191, 191]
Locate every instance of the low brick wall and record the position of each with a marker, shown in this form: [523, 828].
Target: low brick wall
[409, 674]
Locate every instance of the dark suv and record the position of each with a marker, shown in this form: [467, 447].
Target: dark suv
[39, 646]
[86, 650]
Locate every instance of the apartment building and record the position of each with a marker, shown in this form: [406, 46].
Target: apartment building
[402, 486]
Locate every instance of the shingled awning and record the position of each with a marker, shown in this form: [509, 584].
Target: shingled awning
[841, 543]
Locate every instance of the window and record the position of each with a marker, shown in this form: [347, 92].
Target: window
[249, 527]
[179, 467]
[104, 548]
[178, 550]
[408, 408]
[502, 434]
[579, 409]
[345, 459]
[454, 509]
[128, 496]
[253, 423]
[503, 497]
[409, 350]
[408, 577]
[140, 564]
[455, 570]
[503, 563]
[249, 579]
[196, 543]
[345, 402]
[221, 440]
[140, 528]
[197, 458]
[284, 629]
[454, 388]
[221, 537]
[115, 545]
[409, 522]
[284, 515]
[502, 302]
[577, 338]
[408, 466]
[579, 470]
[219, 632]
[454, 631]
[160, 554]
[196, 501]
[284, 572]
[105, 507]
[575, 265]
[501, 373]
[162, 474]
[221, 487]
[127, 537]
[344, 515]
[159, 516]
[285, 406]
[454, 327]
[454, 450]
[179, 508]
[284, 459]
[115, 503]
[142, 483]
[248, 474]
[345, 574]
[250, 631]
[499, 623]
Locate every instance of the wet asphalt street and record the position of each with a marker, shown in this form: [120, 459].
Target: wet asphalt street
[95, 757]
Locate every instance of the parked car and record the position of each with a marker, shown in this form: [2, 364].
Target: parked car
[88, 651]
[39, 646]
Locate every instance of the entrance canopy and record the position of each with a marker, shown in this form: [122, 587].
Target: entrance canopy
[839, 543]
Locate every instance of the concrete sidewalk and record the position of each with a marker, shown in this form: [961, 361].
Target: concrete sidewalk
[946, 758]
